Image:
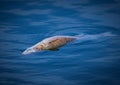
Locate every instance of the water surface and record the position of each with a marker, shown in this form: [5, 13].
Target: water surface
[92, 60]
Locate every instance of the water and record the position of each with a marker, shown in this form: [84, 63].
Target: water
[92, 60]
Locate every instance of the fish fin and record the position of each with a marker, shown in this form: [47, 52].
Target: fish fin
[54, 49]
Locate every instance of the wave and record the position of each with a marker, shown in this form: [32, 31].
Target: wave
[95, 36]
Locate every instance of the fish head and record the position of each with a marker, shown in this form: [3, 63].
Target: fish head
[29, 51]
[36, 48]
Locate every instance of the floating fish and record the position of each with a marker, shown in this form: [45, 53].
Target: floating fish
[52, 43]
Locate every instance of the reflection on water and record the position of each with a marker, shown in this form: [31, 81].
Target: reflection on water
[91, 60]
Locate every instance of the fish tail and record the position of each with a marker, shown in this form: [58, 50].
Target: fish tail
[79, 36]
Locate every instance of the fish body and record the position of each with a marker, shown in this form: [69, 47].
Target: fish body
[52, 43]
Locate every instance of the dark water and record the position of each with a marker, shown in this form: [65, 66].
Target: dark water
[91, 60]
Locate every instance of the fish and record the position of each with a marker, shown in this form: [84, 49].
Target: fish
[51, 43]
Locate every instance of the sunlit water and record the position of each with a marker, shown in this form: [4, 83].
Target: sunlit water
[93, 59]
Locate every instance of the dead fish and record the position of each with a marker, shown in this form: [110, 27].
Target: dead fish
[52, 43]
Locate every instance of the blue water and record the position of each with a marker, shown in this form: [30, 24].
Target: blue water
[92, 60]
